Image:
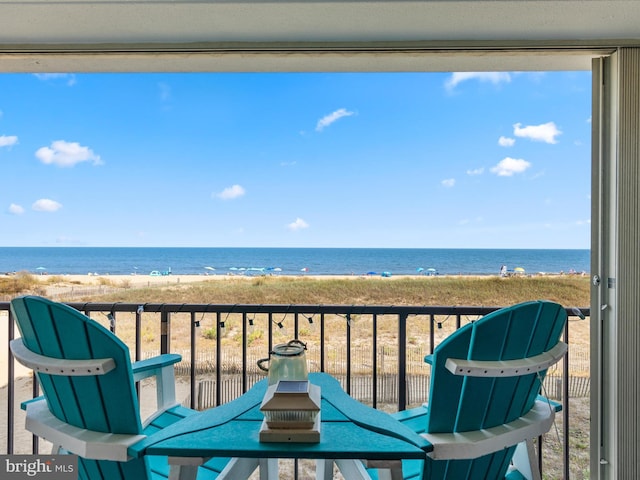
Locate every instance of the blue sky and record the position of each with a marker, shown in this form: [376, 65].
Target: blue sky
[460, 160]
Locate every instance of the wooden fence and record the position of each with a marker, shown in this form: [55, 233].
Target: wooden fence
[336, 361]
[361, 388]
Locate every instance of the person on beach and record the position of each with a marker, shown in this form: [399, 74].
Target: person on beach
[503, 271]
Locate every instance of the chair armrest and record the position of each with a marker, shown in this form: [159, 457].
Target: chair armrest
[428, 359]
[25, 404]
[162, 368]
[474, 444]
[85, 443]
[507, 368]
[557, 406]
[149, 367]
[59, 366]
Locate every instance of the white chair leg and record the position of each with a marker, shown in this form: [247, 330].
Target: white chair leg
[525, 461]
[269, 469]
[353, 470]
[183, 472]
[239, 468]
[324, 469]
[387, 469]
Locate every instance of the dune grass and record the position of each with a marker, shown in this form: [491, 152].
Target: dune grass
[569, 291]
[469, 291]
[493, 291]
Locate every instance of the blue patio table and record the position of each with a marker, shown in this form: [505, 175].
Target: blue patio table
[350, 431]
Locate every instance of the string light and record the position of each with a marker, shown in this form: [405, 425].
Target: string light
[312, 324]
[112, 321]
[281, 328]
[442, 322]
[578, 313]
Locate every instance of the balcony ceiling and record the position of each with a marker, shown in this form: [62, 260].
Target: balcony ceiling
[81, 35]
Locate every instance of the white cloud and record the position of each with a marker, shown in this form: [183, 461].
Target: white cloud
[546, 132]
[492, 77]
[230, 193]
[69, 78]
[67, 154]
[332, 117]
[508, 166]
[46, 205]
[298, 224]
[506, 141]
[15, 209]
[8, 140]
[165, 91]
[468, 221]
[476, 171]
[448, 182]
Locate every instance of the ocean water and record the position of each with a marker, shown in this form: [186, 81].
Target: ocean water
[286, 261]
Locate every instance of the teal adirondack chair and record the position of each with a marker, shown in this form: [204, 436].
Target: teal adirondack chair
[89, 405]
[484, 408]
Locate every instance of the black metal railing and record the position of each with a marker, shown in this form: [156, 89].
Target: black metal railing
[390, 336]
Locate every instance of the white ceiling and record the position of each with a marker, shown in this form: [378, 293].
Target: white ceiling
[45, 35]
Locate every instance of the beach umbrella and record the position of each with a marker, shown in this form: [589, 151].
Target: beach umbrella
[41, 269]
[209, 268]
[518, 270]
[305, 269]
[371, 273]
[419, 269]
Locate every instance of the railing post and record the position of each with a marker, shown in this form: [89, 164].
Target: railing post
[565, 405]
[244, 351]
[165, 331]
[139, 311]
[402, 361]
[374, 360]
[348, 385]
[322, 357]
[218, 358]
[194, 324]
[11, 388]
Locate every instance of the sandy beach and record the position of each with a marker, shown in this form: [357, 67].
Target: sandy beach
[456, 289]
[149, 280]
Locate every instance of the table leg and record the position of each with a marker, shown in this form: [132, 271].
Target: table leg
[387, 469]
[184, 468]
[324, 469]
[268, 469]
[353, 470]
[239, 468]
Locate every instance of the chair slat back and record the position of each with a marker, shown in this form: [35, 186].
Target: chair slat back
[458, 403]
[104, 403]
